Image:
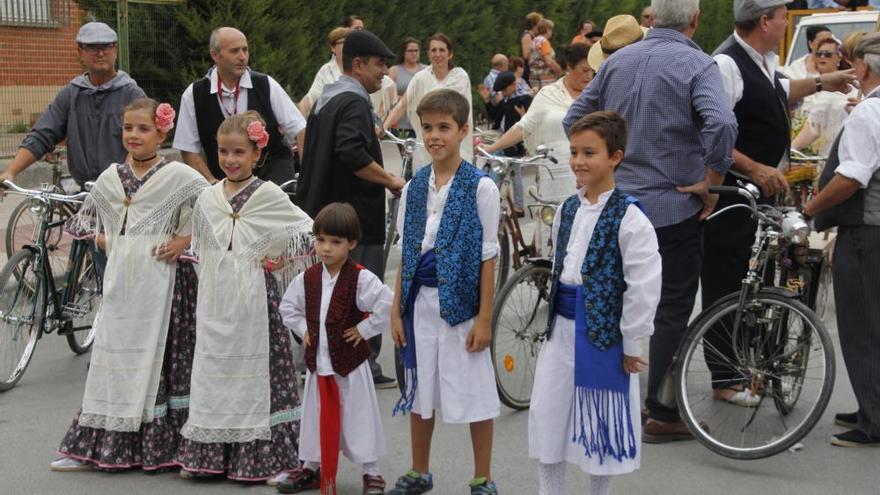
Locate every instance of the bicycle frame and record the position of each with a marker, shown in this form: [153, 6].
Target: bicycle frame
[407, 148]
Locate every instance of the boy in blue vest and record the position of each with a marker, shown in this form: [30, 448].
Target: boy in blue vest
[441, 316]
[604, 293]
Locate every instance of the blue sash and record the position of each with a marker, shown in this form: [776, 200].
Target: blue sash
[601, 387]
[425, 276]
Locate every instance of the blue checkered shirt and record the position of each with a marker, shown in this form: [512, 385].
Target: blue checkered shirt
[671, 94]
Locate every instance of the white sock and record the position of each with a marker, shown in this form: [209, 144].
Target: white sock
[600, 485]
[372, 468]
[312, 465]
[551, 479]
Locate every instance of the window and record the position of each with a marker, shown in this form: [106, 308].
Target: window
[39, 13]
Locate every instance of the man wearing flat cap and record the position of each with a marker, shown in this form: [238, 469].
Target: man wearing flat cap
[343, 159]
[760, 96]
[87, 112]
[849, 199]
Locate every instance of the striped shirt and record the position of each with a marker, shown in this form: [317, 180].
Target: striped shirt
[679, 120]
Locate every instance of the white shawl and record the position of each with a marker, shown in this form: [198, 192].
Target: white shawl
[230, 396]
[132, 326]
[423, 83]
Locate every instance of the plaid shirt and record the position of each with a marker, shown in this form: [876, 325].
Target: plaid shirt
[679, 121]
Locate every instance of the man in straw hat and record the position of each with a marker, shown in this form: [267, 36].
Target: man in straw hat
[760, 97]
[849, 198]
[683, 135]
[620, 31]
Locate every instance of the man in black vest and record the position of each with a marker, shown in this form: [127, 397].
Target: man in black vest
[230, 88]
[759, 96]
[849, 199]
[343, 158]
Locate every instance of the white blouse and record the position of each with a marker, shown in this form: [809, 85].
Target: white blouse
[642, 268]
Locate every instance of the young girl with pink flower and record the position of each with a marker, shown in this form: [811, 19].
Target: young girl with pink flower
[244, 406]
[137, 389]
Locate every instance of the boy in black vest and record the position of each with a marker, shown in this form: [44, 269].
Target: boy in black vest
[604, 294]
[441, 316]
[335, 306]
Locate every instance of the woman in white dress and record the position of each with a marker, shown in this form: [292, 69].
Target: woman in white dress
[441, 74]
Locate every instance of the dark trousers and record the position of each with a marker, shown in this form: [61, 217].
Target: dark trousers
[681, 251]
[371, 256]
[856, 273]
[727, 246]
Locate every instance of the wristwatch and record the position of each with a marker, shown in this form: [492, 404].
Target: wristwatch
[818, 83]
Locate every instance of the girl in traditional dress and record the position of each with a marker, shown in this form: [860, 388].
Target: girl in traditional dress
[244, 406]
[137, 388]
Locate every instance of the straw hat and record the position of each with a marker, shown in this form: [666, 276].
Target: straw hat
[620, 31]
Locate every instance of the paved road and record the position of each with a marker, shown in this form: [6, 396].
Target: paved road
[35, 415]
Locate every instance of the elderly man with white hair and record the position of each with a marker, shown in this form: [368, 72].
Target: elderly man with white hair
[682, 137]
[849, 199]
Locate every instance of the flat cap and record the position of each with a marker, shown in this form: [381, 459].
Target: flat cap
[503, 80]
[747, 10]
[364, 43]
[870, 45]
[96, 33]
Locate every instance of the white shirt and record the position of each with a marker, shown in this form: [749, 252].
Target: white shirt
[859, 150]
[732, 77]
[798, 69]
[488, 209]
[642, 268]
[290, 120]
[373, 297]
[383, 100]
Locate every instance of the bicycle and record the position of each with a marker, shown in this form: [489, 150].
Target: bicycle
[510, 232]
[407, 148]
[30, 303]
[763, 338]
[24, 225]
[519, 321]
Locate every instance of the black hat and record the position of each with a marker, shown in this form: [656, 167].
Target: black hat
[596, 33]
[364, 43]
[503, 80]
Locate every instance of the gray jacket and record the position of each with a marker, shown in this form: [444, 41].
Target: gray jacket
[90, 117]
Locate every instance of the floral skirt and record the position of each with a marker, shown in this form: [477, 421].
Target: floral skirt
[154, 446]
[260, 459]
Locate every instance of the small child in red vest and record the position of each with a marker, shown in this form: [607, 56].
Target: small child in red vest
[335, 307]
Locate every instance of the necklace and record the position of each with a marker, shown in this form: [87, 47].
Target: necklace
[239, 180]
[144, 160]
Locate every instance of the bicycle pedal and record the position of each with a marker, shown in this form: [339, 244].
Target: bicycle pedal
[76, 309]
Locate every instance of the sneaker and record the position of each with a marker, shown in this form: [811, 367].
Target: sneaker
[300, 479]
[382, 381]
[373, 485]
[412, 483]
[69, 465]
[855, 438]
[847, 420]
[483, 486]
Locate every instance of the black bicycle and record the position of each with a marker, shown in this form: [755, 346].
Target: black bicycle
[31, 301]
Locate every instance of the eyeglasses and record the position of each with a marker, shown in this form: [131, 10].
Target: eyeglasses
[105, 47]
[825, 54]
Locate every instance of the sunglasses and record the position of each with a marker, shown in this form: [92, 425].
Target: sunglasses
[825, 54]
[98, 48]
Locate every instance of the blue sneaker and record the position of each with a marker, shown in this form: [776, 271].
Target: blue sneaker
[482, 486]
[413, 483]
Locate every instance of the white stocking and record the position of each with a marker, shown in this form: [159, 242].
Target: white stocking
[551, 479]
[600, 485]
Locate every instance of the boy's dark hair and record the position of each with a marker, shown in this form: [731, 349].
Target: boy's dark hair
[610, 126]
[446, 101]
[339, 220]
[516, 63]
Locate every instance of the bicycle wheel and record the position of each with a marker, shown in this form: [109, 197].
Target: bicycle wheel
[780, 351]
[519, 323]
[24, 226]
[83, 305]
[502, 263]
[825, 292]
[22, 310]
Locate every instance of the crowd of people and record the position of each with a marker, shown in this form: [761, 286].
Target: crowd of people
[201, 374]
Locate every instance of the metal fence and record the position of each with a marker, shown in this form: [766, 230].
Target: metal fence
[38, 55]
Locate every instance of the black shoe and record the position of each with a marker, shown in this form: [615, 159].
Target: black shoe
[855, 438]
[847, 420]
[382, 381]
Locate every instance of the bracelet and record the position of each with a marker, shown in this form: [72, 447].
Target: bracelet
[818, 83]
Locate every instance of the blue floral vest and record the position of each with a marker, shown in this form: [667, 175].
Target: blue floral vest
[602, 270]
[459, 244]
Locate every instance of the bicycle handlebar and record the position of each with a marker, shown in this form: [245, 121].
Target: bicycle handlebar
[50, 196]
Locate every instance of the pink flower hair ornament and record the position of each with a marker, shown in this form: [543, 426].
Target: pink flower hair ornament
[257, 133]
[164, 117]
